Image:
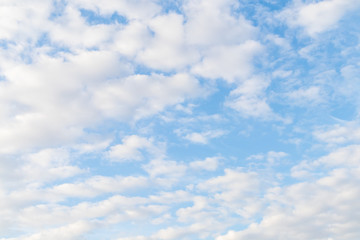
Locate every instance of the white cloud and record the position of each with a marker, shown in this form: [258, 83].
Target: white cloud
[172, 233]
[140, 96]
[249, 99]
[232, 63]
[346, 156]
[209, 164]
[92, 145]
[236, 190]
[347, 132]
[73, 231]
[23, 21]
[66, 29]
[131, 38]
[203, 229]
[165, 172]
[108, 211]
[98, 185]
[167, 50]
[131, 148]
[204, 137]
[234, 185]
[307, 96]
[51, 110]
[322, 207]
[39, 168]
[319, 16]
[214, 23]
[67, 86]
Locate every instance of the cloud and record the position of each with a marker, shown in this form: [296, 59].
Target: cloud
[98, 185]
[346, 156]
[236, 190]
[316, 208]
[347, 132]
[131, 39]
[127, 8]
[66, 29]
[165, 172]
[70, 232]
[130, 149]
[230, 62]
[319, 16]
[110, 112]
[215, 24]
[52, 111]
[140, 96]
[204, 137]
[307, 96]
[209, 164]
[249, 99]
[22, 21]
[167, 50]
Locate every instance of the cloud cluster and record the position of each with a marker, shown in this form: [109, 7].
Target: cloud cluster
[161, 120]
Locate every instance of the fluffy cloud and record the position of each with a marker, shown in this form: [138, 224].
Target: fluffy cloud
[339, 133]
[130, 149]
[139, 96]
[318, 208]
[72, 231]
[230, 62]
[215, 24]
[319, 16]
[113, 116]
[167, 50]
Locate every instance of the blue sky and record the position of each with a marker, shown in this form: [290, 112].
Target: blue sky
[183, 119]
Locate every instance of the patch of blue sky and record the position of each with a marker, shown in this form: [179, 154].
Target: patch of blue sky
[4, 43]
[94, 18]
[171, 6]
[144, 70]
[43, 40]
[344, 110]
[101, 165]
[58, 9]
[259, 10]
[54, 49]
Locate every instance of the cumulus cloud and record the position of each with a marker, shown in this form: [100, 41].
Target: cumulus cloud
[319, 208]
[113, 116]
[214, 24]
[167, 50]
[72, 231]
[131, 147]
[230, 62]
[317, 17]
[139, 96]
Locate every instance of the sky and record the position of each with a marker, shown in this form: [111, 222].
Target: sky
[179, 119]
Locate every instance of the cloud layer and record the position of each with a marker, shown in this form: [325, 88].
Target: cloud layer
[186, 119]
